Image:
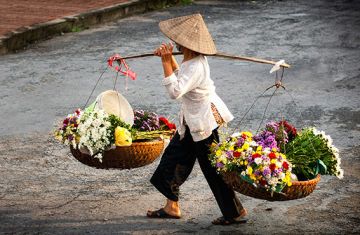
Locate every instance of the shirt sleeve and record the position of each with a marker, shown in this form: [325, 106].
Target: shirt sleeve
[187, 78]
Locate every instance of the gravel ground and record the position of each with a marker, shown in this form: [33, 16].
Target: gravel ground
[44, 190]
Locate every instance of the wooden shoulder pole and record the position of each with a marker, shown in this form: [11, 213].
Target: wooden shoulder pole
[220, 55]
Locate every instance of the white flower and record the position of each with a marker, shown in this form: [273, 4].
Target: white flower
[235, 135]
[99, 156]
[93, 129]
[267, 151]
[340, 174]
[253, 144]
[315, 131]
[330, 140]
[258, 160]
[334, 149]
[273, 181]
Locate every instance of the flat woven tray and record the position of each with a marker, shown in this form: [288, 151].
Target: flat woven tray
[298, 189]
[126, 157]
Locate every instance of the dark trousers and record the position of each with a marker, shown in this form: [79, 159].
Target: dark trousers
[177, 163]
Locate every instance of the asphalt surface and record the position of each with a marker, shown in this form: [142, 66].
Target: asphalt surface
[44, 190]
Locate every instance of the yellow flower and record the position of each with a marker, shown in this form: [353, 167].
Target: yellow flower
[246, 162]
[247, 133]
[122, 137]
[223, 159]
[241, 162]
[249, 170]
[252, 176]
[231, 148]
[273, 161]
[246, 146]
[283, 155]
[218, 153]
[289, 184]
[259, 148]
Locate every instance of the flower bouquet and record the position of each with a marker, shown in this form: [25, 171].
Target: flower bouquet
[273, 161]
[105, 141]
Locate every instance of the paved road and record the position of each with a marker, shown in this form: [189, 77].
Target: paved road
[44, 190]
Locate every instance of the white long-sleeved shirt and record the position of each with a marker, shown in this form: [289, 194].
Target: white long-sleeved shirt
[193, 87]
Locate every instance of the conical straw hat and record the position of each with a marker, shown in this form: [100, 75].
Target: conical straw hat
[191, 32]
[112, 102]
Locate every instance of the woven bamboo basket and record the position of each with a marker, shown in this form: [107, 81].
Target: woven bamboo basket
[298, 189]
[126, 157]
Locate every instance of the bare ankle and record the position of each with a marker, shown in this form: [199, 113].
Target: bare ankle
[243, 212]
[172, 207]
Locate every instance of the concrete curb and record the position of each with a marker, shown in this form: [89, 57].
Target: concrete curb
[21, 37]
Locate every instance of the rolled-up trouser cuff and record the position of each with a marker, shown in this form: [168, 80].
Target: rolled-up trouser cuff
[163, 187]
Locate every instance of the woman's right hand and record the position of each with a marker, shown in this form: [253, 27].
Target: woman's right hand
[157, 52]
[164, 51]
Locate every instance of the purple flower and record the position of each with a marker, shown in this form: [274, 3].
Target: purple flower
[229, 154]
[266, 171]
[240, 142]
[219, 165]
[266, 139]
[257, 172]
[265, 158]
[146, 121]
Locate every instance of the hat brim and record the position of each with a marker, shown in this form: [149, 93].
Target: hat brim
[112, 102]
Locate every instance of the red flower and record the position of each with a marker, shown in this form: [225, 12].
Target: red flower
[172, 126]
[169, 125]
[272, 166]
[291, 130]
[263, 182]
[66, 121]
[256, 155]
[236, 154]
[163, 120]
[285, 165]
[272, 155]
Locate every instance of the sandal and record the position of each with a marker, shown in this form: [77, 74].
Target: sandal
[222, 221]
[161, 214]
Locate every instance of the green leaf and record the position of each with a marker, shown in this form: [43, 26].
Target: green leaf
[247, 179]
[90, 108]
[322, 167]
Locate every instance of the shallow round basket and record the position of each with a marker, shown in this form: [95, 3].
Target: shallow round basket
[126, 157]
[298, 189]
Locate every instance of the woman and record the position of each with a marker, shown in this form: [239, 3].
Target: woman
[202, 111]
